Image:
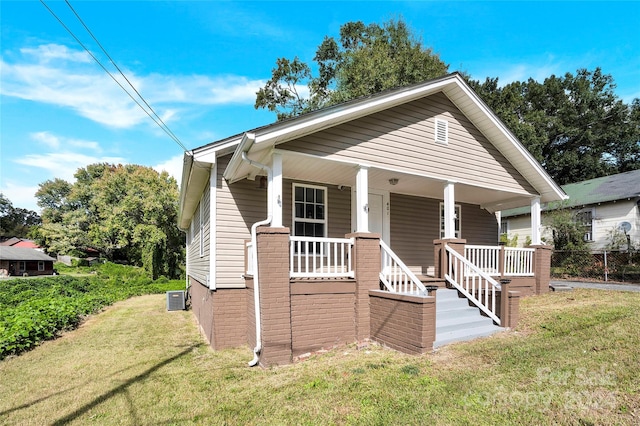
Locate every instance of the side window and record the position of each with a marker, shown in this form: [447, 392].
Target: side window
[584, 218]
[309, 211]
[457, 221]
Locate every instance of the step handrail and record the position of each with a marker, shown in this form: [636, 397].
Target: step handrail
[396, 276]
[469, 284]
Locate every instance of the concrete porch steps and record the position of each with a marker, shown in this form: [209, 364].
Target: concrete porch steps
[456, 321]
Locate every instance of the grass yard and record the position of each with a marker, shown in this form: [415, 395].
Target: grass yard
[574, 359]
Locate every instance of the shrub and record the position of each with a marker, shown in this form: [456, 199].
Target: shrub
[40, 308]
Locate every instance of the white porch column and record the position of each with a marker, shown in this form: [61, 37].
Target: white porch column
[449, 211]
[275, 197]
[535, 221]
[362, 199]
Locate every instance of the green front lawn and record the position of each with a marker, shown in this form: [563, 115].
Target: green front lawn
[573, 359]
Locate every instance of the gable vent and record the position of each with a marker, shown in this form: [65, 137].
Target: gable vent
[442, 131]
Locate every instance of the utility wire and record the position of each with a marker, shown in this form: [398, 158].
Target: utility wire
[157, 120]
[164, 125]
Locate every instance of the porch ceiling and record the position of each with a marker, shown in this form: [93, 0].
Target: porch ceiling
[328, 172]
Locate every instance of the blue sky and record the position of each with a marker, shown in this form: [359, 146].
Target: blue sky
[200, 63]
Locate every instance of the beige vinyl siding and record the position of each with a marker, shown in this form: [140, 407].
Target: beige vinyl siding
[415, 224]
[403, 138]
[338, 207]
[239, 206]
[479, 227]
[199, 265]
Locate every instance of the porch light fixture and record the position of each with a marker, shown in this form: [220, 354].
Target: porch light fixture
[261, 182]
[393, 181]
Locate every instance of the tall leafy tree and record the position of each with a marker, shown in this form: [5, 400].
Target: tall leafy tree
[574, 125]
[367, 59]
[125, 212]
[16, 221]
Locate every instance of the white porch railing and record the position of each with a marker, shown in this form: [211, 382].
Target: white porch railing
[475, 284]
[312, 257]
[486, 258]
[396, 276]
[517, 261]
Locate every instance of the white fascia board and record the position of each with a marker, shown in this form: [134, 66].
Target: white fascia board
[194, 186]
[209, 154]
[245, 145]
[515, 143]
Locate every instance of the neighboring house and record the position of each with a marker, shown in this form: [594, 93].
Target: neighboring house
[20, 243]
[608, 207]
[18, 261]
[329, 227]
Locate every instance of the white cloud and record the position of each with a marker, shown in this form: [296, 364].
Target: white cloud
[64, 165]
[21, 196]
[57, 75]
[55, 142]
[49, 52]
[173, 166]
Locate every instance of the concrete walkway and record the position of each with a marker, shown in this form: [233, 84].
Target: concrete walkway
[598, 285]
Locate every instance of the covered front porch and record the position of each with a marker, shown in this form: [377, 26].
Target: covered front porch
[322, 280]
[325, 198]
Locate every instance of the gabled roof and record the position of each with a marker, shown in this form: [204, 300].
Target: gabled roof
[195, 172]
[622, 186]
[22, 254]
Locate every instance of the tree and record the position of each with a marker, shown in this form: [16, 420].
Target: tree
[367, 60]
[125, 212]
[16, 221]
[574, 125]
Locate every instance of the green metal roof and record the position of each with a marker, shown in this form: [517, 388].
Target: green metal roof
[593, 191]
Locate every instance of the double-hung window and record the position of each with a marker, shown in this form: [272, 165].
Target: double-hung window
[456, 221]
[584, 219]
[309, 211]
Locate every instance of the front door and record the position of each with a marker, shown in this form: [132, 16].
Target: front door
[378, 213]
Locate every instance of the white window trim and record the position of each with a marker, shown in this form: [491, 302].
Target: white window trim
[294, 219]
[458, 219]
[22, 266]
[40, 265]
[593, 223]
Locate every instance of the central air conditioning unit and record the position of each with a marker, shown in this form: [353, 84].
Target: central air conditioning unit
[175, 300]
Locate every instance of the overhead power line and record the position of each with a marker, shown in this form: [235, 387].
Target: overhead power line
[148, 110]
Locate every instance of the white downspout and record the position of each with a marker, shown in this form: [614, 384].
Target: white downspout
[254, 248]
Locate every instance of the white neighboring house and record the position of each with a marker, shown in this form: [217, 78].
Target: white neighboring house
[606, 205]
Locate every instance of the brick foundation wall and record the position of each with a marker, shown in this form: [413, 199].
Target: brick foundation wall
[367, 268]
[322, 314]
[542, 268]
[402, 322]
[251, 314]
[220, 314]
[275, 296]
[525, 285]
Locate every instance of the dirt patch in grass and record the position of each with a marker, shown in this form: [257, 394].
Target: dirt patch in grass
[573, 360]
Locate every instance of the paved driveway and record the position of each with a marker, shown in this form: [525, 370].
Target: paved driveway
[600, 285]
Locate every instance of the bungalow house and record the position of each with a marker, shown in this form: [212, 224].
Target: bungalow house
[340, 225]
[608, 207]
[19, 261]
